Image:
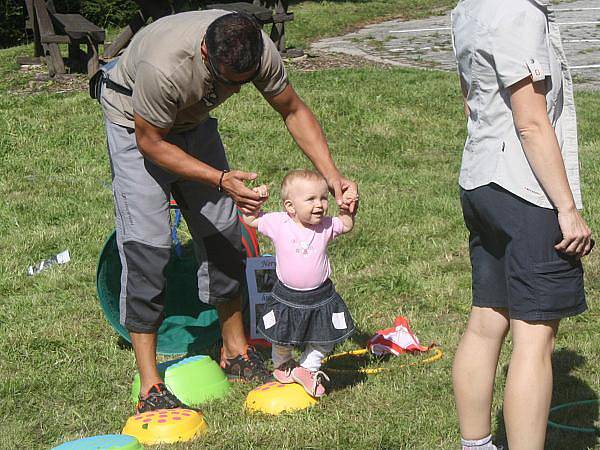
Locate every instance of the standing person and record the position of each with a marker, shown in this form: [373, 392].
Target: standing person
[521, 198]
[304, 309]
[161, 140]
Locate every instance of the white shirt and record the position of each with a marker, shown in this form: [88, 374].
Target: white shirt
[498, 43]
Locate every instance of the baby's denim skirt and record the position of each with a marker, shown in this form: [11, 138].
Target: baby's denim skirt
[317, 316]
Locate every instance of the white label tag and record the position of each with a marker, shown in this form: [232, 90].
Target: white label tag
[63, 257]
[269, 320]
[339, 321]
[536, 70]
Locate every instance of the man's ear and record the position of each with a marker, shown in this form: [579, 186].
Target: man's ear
[203, 50]
[289, 206]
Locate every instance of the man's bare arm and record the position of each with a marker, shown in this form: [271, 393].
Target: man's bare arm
[152, 144]
[308, 134]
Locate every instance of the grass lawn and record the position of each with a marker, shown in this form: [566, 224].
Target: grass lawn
[334, 17]
[398, 132]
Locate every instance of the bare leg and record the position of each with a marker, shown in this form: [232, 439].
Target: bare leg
[280, 354]
[528, 389]
[232, 328]
[144, 347]
[474, 369]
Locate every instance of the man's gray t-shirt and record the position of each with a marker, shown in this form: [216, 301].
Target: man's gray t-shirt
[172, 87]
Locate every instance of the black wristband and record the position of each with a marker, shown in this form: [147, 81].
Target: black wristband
[220, 185]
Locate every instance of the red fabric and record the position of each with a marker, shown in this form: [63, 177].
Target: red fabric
[396, 340]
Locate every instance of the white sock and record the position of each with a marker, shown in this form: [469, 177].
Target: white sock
[478, 444]
[312, 356]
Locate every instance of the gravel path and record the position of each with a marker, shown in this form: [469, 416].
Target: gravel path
[426, 43]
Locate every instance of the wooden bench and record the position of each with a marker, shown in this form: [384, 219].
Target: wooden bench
[281, 15]
[78, 30]
[277, 15]
[51, 29]
[264, 11]
[262, 15]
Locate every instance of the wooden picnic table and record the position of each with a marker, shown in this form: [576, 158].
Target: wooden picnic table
[51, 29]
[266, 12]
[81, 31]
[273, 12]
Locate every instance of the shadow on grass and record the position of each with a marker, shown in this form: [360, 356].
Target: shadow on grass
[567, 388]
[123, 344]
[361, 338]
[344, 372]
[347, 370]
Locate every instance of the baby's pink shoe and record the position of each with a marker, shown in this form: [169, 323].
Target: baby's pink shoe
[283, 373]
[312, 382]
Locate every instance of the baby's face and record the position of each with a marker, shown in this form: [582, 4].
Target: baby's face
[309, 200]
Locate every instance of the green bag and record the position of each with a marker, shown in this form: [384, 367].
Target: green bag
[189, 325]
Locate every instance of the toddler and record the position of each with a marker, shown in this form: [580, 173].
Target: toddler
[303, 310]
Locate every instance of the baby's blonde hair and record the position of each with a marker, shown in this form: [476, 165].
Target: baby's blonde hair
[297, 174]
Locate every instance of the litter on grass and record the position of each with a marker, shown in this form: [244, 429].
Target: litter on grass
[61, 258]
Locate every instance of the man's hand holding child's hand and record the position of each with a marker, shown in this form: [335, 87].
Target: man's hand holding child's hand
[350, 197]
[251, 217]
[263, 191]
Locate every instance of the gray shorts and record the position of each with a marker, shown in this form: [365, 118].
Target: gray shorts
[141, 192]
[514, 263]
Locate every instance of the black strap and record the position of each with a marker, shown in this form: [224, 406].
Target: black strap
[101, 78]
[117, 87]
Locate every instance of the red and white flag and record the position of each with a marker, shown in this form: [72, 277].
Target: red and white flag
[396, 340]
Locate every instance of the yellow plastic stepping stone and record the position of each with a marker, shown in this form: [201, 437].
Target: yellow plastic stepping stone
[275, 398]
[166, 426]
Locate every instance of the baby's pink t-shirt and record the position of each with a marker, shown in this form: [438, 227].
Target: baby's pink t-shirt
[300, 252]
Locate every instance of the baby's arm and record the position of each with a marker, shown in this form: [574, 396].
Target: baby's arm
[252, 219]
[346, 216]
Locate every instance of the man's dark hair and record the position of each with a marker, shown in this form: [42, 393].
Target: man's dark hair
[235, 41]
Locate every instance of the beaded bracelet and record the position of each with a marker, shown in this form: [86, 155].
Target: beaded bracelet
[220, 186]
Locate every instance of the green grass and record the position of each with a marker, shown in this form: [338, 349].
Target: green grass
[330, 18]
[397, 132]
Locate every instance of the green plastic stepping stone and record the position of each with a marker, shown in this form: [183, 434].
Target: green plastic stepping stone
[104, 442]
[194, 380]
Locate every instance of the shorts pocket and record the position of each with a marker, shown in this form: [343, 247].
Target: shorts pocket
[559, 285]
[143, 216]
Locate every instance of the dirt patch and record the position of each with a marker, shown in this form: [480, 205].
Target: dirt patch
[37, 80]
[320, 60]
